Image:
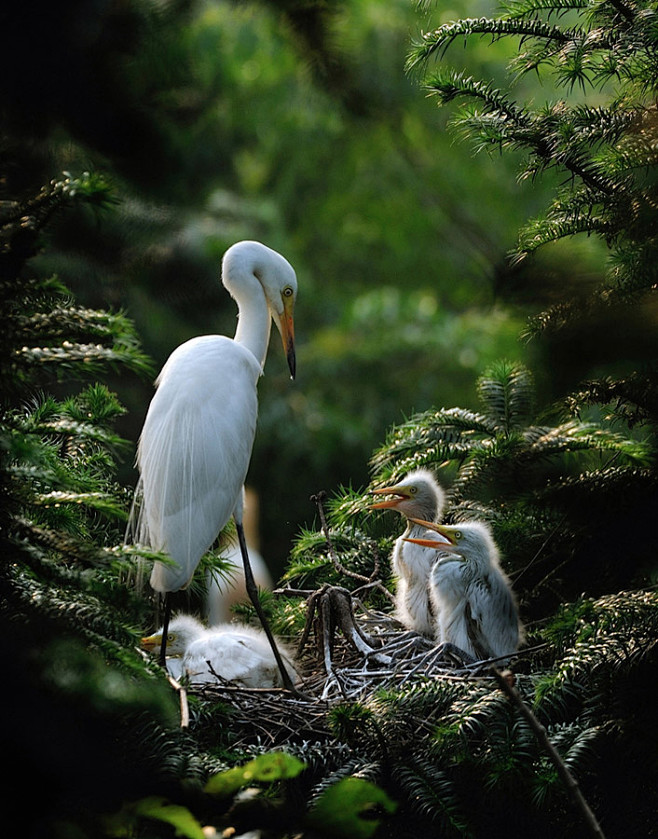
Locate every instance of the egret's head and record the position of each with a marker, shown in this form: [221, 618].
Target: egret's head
[470, 540]
[182, 631]
[278, 280]
[418, 495]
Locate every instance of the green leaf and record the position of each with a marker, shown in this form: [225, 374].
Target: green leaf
[160, 809]
[274, 766]
[351, 808]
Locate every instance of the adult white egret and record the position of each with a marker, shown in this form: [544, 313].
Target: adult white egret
[195, 446]
[235, 652]
[476, 608]
[417, 496]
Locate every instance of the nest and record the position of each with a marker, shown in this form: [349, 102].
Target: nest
[347, 653]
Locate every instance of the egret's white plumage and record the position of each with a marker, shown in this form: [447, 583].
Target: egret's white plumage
[191, 465]
[195, 446]
[475, 605]
[235, 652]
[420, 496]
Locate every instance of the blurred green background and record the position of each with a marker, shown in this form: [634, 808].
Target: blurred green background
[298, 126]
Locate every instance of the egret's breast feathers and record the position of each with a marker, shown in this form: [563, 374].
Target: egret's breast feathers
[199, 429]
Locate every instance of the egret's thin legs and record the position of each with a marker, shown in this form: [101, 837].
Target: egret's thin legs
[252, 591]
[165, 629]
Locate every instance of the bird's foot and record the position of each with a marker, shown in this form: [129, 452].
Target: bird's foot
[454, 654]
[331, 608]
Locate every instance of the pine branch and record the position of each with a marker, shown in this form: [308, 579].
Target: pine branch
[635, 397]
[573, 789]
[450, 84]
[440, 39]
[93, 356]
[530, 8]
[507, 392]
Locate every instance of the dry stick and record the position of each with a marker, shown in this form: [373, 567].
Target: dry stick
[182, 693]
[311, 609]
[562, 770]
[184, 707]
[319, 498]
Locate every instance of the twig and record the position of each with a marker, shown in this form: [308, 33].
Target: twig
[379, 586]
[484, 664]
[369, 582]
[184, 707]
[563, 771]
[338, 565]
[286, 591]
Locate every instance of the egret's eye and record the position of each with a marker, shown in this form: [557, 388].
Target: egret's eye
[458, 534]
[287, 291]
[170, 637]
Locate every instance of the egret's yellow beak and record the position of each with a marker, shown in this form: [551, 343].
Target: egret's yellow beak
[401, 493]
[442, 529]
[151, 642]
[286, 326]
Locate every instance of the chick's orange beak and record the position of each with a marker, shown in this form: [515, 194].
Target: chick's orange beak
[429, 543]
[443, 531]
[149, 643]
[401, 492]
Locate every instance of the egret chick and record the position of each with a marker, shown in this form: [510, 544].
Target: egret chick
[195, 446]
[476, 608]
[417, 496]
[234, 652]
[180, 634]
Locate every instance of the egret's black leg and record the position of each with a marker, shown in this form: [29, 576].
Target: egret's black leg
[165, 629]
[252, 591]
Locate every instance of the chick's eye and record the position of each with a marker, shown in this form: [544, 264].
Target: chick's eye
[413, 490]
[170, 637]
[458, 534]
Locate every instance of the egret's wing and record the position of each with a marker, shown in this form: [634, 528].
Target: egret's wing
[478, 641]
[501, 621]
[194, 452]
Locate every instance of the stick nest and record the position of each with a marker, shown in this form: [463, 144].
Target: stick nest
[356, 652]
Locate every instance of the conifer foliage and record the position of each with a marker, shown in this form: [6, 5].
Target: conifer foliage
[598, 136]
[92, 727]
[570, 499]
[554, 492]
[68, 625]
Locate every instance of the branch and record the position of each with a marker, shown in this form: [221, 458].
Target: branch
[441, 38]
[184, 707]
[370, 581]
[563, 771]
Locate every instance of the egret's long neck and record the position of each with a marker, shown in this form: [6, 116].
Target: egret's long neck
[254, 319]
[427, 512]
[413, 530]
